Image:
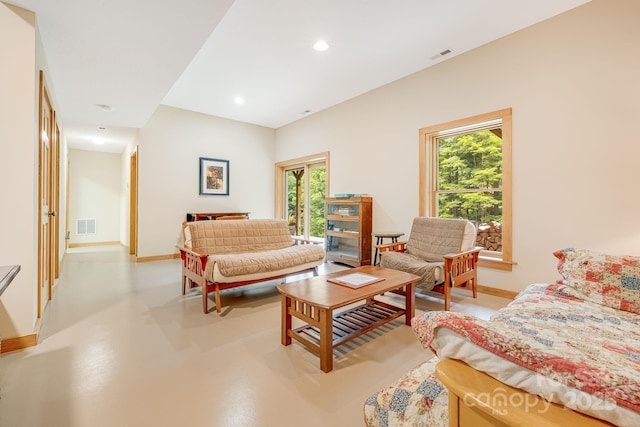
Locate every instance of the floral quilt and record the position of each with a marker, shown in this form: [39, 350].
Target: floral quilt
[417, 399]
[546, 329]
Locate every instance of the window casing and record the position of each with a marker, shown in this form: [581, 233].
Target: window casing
[435, 192]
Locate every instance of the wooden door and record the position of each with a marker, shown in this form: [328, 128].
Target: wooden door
[45, 137]
[66, 209]
[133, 204]
[54, 178]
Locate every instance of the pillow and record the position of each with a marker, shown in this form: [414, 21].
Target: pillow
[609, 280]
[187, 234]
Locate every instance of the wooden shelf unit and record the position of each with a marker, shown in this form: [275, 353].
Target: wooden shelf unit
[348, 230]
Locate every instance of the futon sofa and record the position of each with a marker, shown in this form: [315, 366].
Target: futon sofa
[575, 343]
[219, 255]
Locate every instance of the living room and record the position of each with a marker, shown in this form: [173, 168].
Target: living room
[571, 82]
[564, 104]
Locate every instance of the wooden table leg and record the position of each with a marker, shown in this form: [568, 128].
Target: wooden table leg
[410, 303]
[286, 320]
[379, 241]
[326, 340]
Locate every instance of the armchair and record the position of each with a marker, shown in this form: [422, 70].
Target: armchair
[441, 251]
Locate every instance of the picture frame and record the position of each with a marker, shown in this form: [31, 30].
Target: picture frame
[214, 177]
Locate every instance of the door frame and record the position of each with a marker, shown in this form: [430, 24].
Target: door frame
[55, 196]
[46, 189]
[133, 203]
[305, 162]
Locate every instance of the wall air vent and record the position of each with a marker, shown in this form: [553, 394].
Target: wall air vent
[85, 226]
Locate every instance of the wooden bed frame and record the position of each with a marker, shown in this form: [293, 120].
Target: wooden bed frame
[478, 400]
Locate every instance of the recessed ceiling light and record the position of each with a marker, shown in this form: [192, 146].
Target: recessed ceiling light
[321, 46]
[238, 100]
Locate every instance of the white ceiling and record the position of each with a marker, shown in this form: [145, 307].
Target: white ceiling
[200, 54]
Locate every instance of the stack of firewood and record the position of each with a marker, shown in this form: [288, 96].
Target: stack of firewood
[490, 236]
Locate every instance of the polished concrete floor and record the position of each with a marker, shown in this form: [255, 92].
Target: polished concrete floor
[120, 346]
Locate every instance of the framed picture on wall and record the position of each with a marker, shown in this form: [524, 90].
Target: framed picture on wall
[214, 177]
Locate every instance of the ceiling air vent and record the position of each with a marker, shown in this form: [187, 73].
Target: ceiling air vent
[441, 54]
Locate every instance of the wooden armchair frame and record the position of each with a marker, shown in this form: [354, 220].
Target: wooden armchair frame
[460, 269]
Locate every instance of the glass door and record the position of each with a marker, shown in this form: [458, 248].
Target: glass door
[306, 192]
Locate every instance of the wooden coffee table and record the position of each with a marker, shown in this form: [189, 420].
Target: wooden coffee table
[314, 301]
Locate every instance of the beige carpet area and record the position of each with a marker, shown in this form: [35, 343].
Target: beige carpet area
[120, 346]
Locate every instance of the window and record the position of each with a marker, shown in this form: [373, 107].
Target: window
[465, 172]
[302, 183]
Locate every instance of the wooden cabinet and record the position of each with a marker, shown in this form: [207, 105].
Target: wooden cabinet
[347, 233]
[200, 216]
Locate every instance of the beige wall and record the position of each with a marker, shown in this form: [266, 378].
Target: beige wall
[18, 168]
[61, 213]
[573, 83]
[21, 58]
[125, 181]
[170, 146]
[95, 181]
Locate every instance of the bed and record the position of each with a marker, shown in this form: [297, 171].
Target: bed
[574, 344]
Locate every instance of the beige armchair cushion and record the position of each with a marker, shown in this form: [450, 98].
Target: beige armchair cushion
[433, 238]
[233, 237]
[430, 272]
[228, 267]
[429, 241]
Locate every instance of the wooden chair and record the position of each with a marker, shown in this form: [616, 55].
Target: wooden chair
[441, 251]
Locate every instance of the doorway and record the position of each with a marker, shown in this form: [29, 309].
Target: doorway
[48, 170]
[301, 189]
[133, 203]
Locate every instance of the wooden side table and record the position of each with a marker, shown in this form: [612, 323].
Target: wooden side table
[380, 236]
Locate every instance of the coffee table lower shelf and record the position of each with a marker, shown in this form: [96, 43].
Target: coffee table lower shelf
[349, 324]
